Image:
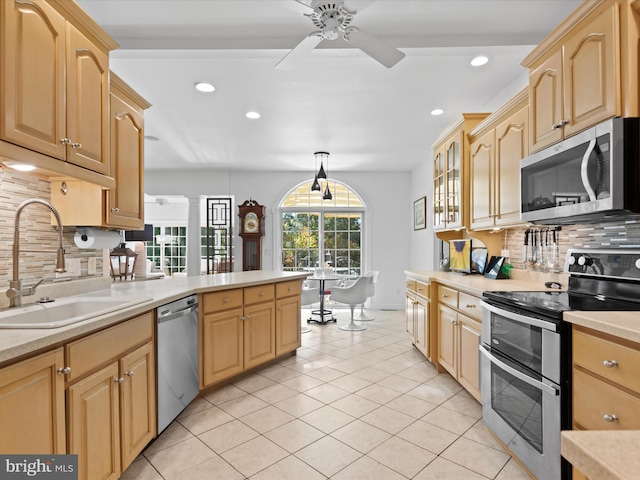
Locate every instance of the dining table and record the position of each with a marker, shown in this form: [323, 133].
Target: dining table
[322, 312]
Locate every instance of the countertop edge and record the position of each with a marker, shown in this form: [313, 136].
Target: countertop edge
[624, 325]
[609, 454]
[16, 344]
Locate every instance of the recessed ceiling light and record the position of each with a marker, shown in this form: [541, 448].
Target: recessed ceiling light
[437, 111]
[479, 60]
[252, 115]
[21, 167]
[205, 87]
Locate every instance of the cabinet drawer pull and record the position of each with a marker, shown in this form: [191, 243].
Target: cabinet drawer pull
[444, 295]
[119, 380]
[64, 370]
[261, 294]
[610, 418]
[610, 363]
[470, 305]
[290, 288]
[129, 373]
[225, 300]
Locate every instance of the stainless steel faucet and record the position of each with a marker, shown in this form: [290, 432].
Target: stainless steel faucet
[16, 292]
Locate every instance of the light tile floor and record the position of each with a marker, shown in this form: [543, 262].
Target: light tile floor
[349, 405]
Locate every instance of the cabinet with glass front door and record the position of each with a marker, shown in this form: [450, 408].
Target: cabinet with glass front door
[451, 174]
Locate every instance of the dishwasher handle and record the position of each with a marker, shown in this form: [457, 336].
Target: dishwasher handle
[179, 313]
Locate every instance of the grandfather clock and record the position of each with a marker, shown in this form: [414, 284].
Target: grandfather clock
[251, 215]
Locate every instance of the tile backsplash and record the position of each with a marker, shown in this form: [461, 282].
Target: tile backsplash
[36, 233]
[621, 234]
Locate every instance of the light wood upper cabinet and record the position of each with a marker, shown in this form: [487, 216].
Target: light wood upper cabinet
[124, 205]
[55, 82]
[451, 174]
[584, 72]
[83, 203]
[32, 411]
[496, 147]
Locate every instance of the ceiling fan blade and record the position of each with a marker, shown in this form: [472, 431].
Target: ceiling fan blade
[299, 52]
[375, 48]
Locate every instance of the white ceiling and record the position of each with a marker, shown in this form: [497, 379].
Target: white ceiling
[338, 99]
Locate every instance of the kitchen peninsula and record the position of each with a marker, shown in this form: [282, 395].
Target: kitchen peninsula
[58, 384]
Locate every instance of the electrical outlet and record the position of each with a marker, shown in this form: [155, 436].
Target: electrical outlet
[91, 266]
[72, 267]
[504, 253]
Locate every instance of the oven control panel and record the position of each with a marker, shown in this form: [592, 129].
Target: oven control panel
[610, 263]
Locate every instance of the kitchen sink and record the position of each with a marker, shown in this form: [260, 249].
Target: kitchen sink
[64, 311]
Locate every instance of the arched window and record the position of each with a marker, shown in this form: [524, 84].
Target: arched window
[317, 232]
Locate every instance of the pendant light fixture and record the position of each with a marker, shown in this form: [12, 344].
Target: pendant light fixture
[322, 174]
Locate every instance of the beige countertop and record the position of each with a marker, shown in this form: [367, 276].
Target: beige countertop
[16, 343]
[603, 454]
[620, 324]
[476, 284]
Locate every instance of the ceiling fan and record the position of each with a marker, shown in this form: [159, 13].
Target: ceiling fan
[334, 20]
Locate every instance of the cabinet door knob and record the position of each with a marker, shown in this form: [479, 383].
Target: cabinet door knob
[64, 370]
[115, 210]
[119, 380]
[129, 373]
[248, 317]
[65, 141]
[76, 145]
[610, 418]
[610, 363]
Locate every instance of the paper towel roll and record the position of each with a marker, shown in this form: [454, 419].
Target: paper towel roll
[95, 238]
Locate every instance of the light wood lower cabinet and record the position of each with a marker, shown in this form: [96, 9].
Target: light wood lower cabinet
[417, 315]
[32, 416]
[459, 327]
[288, 316]
[242, 328]
[606, 387]
[111, 406]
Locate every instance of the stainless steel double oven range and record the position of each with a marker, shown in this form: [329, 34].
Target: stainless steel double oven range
[525, 353]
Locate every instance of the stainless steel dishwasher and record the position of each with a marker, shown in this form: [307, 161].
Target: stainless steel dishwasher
[177, 358]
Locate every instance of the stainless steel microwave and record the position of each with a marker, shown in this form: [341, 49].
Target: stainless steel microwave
[591, 177]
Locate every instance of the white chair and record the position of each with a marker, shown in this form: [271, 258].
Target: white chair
[352, 295]
[309, 297]
[372, 291]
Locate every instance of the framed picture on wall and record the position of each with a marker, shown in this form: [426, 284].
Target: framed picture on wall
[420, 213]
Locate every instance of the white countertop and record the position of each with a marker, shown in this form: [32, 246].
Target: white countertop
[15, 343]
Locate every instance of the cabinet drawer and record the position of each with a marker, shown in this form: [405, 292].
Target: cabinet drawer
[259, 293]
[411, 285]
[448, 296]
[287, 289]
[591, 353]
[217, 301]
[470, 305]
[422, 289]
[89, 352]
[593, 399]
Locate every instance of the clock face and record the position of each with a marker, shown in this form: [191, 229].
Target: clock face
[251, 223]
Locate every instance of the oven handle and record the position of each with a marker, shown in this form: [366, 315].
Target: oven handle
[525, 378]
[520, 318]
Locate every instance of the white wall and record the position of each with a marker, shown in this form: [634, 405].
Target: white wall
[389, 218]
